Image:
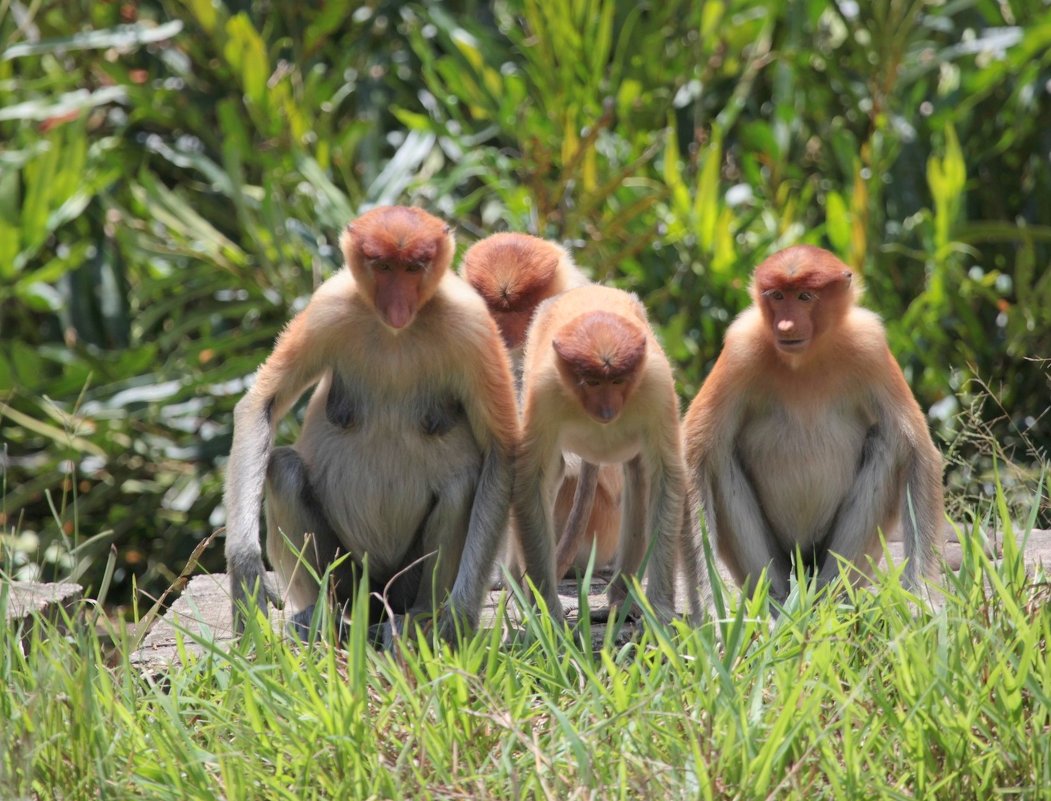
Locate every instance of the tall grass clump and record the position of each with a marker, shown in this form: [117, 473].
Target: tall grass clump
[869, 693]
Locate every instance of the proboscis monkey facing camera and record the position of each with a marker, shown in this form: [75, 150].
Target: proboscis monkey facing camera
[514, 273]
[806, 435]
[407, 446]
[597, 383]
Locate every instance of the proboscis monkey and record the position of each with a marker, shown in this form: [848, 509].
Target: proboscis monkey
[597, 383]
[514, 273]
[805, 434]
[407, 447]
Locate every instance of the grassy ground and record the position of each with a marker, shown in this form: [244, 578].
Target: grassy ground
[868, 695]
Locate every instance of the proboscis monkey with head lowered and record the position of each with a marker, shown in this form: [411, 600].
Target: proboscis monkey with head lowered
[806, 435]
[514, 273]
[597, 383]
[407, 448]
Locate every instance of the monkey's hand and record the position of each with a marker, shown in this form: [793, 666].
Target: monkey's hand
[250, 588]
[397, 627]
[621, 601]
[454, 624]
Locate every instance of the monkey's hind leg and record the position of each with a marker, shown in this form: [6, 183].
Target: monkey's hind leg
[300, 542]
[432, 563]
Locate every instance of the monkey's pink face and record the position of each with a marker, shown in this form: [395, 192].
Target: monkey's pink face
[791, 315]
[398, 294]
[603, 398]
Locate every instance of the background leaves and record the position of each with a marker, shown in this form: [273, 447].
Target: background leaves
[174, 177]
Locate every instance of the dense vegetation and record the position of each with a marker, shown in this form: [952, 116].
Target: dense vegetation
[174, 175]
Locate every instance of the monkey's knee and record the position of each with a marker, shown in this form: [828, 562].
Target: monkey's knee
[444, 531]
[289, 502]
[451, 515]
[286, 475]
[746, 570]
[300, 544]
[621, 601]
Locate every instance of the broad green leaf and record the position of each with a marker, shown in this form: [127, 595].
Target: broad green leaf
[206, 13]
[246, 53]
[672, 173]
[946, 176]
[711, 17]
[332, 16]
[10, 242]
[837, 222]
[706, 199]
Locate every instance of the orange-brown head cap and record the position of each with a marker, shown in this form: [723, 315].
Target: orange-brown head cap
[601, 346]
[801, 268]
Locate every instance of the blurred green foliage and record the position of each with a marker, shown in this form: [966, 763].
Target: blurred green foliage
[174, 176]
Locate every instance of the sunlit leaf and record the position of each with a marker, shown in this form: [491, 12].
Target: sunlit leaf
[124, 37]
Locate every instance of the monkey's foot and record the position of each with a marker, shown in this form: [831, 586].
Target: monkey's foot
[299, 626]
[251, 589]
[623, 610]
[405, 627]
[299, 623]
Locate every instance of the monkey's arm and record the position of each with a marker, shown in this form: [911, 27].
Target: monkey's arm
[695, 572]
[579, 514]
[922, 512]
[736, 523]
[493, 415]
[291, 368]
[667, 487]
[900, 477]
[537, 473]
[870, 501]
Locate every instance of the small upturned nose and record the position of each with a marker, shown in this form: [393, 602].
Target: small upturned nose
[785, 325]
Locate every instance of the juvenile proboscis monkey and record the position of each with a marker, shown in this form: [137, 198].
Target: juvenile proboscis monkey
[407, 447]
[514, 273]
[806, 434]
[597, 383]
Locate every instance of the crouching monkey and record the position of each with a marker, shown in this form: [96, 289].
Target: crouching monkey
[806, 434]
[514, 273]
[597, 383]
[407, 447]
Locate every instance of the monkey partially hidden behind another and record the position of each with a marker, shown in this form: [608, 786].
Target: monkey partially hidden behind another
[406, 451]
[806, 434]
[597, 383]
[514, 273]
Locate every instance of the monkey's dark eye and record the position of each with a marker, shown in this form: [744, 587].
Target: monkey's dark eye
[591, 382]
[806, 297]
[413, 268]
[383, 267]
[617, 382]
[776, 294]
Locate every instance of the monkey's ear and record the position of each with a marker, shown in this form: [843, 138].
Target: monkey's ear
[449, 229]
[345, 240]
[848, 276]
